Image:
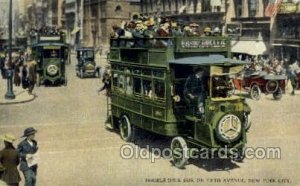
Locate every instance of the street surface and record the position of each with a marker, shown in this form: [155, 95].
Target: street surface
[76, 149]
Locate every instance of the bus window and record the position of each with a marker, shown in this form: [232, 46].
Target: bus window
[127, 70]
[137, 85]
[147, 88]
[51, 53]
[136, 71]
[158, 73]
[147, 72]
[115, 79]
[159, 89]
[129, 87]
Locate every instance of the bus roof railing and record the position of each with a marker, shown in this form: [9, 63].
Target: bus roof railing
[179, 43]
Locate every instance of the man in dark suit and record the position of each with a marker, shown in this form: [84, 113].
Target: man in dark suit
[28, 152]
[195, 91]
[9, 158]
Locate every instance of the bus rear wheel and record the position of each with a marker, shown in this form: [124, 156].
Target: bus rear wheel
[127, 131]
[179, 152]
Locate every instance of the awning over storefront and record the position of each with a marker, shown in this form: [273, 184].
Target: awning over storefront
[75, 30]
[285, 45]
[249, 47]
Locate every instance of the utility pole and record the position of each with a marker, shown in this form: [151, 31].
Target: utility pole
[81, 20]
[9, 72]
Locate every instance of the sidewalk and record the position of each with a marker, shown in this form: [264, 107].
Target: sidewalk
[22, 95]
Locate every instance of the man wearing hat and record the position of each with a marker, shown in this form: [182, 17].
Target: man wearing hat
[10, 159]
[28, 150]
[195, 91]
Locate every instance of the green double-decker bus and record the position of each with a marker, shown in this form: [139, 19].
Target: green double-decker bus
[51, 54]
[149, 78]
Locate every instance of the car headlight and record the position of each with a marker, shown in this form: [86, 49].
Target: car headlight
[52, 70]
[229, 128]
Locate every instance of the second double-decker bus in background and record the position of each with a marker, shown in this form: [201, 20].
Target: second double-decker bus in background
[51, 54]
[153, 89]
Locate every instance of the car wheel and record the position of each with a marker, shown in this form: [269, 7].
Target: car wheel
[255, 92]
[127, 131]
[272, 86]
[278, 94]
[179, 152]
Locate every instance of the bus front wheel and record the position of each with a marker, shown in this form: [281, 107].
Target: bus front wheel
[179, 152]
[127, 131]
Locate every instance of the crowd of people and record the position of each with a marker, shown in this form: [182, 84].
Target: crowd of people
[276, 66]
[24, 69]
[46, 30]
[25, 155]
[149, 27]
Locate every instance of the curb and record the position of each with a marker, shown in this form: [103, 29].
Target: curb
[17, 102]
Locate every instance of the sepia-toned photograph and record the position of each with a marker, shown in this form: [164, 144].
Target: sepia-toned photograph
[149, 92]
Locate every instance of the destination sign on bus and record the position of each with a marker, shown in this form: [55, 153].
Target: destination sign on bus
[50, 38]
[204, 43]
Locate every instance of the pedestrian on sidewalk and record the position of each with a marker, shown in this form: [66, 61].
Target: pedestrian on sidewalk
[32, 76]
[28, 152]
[10, 159]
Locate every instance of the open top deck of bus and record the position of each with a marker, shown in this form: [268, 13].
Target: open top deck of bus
[158, 51]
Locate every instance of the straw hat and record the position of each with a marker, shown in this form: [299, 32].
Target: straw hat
[207, 29]
[9, 138]
[194, 25]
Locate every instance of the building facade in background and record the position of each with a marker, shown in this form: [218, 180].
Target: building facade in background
[89, 22]
[257, 27]
[286, 31]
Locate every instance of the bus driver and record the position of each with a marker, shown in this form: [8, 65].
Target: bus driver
[194, 91]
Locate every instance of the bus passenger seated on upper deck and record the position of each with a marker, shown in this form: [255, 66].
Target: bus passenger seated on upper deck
[194, 91]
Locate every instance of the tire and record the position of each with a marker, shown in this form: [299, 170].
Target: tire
[255, 92]
[278, 94]
[272, 88]
[179, 152]
[127, 132]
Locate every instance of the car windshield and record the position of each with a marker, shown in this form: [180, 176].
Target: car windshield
[86, 54]
[51, 53]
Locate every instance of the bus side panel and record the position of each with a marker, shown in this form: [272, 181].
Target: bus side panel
[144, 115]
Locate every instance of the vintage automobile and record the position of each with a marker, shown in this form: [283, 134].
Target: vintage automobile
[148, 92]
[258, 82]
[51, 53]
[86, 65]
